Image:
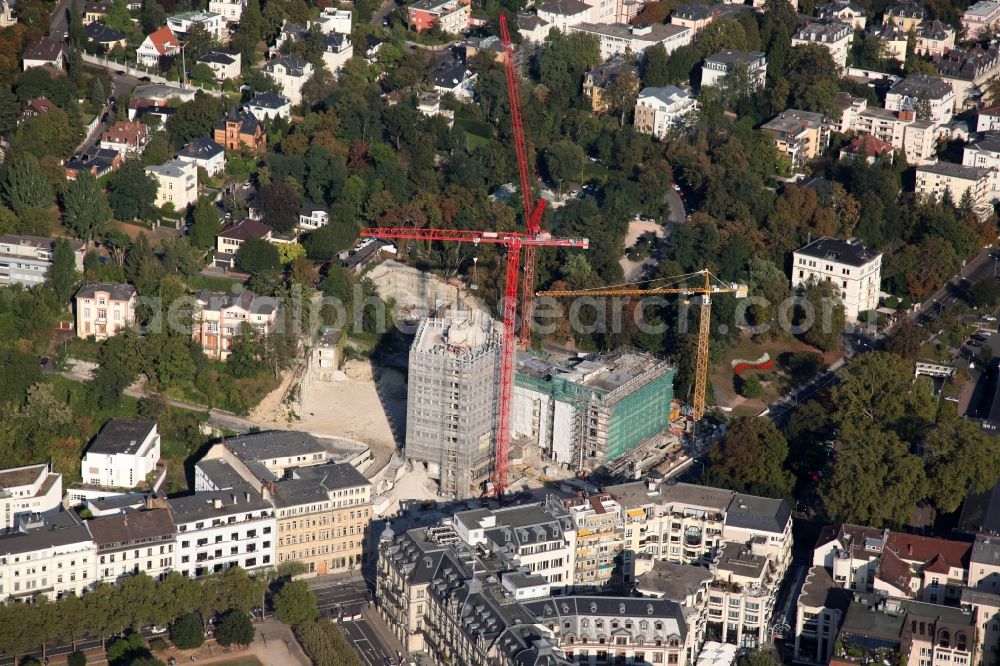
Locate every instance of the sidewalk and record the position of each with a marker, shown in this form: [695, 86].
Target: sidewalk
[274, 645]
[378, 625]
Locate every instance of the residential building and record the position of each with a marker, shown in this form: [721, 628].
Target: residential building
[985, 153]
[335, 21]
[906, 16]
[37, 107]
[240, 130]
[126, 137]
[533, 28]
[366, 251]
[104, 37]
[929, 97]
[231, 11]
[586, 414]
[451, 401]
[599, 522]
[26, 260]
[97, 161]
[959, 181]
[322, 508]
[456, 78]
[226, 64]
[32, 489]
[337, 50]
[717, 67]
[985, 608]
[934, 39]
[800, 135]
[103, 309]
[204, 154]
[984, 564]
[596, 80]
[855, 269]
[220, 529]
[51, 555]
[619, 38]
[429, 104]
[373, 46]
[176, 183]
[133, 542]
[981, 17]
[181, 24]
[895, 39]
[291, 74]
[95, 11]
[269, 105]
[221, 317]
[988, 119]
[229, 240]
[158, 49]
[451, 16]
[658, 110]
[561, 14]
[834, 36]
[313, 216]
[968, 70]
[7, 18]
[44, 53]
[122, 455]
[849, 107]
[916, 138]
[868, 148]
[695, 16]
[925, 568]
[846, 11]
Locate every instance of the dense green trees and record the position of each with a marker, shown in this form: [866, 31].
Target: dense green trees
[961, 459]
[205, 224]
[86, 211]
[325, 644]
[280, 203]
[751, 458]
[26, 186]
[63, 275]
[295, 603]
[234, 629]
[131, 192]
[257, 256]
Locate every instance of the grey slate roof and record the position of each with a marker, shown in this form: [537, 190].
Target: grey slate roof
[102, 34]
[201, 149]
[119, 436]
[922, 86]
[201, 506]
[268, 100]
[59, 529]
[844, 252]
[116, 292]
[758, 513]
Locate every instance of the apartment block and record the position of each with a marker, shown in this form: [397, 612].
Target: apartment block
[322, 508]
[102, 310]
[985, 154]
[718, 66]
[916, 138]
[133, 542]
[934, 180]
[853, 268]
[51, 555]
[934, 39]
[451, 401]
[659, 110]
[907, 15]
[596, 80]
[600, 542]
[182, 23]
[230, 10]
[452, 16]
[176, 184]
[26, 260]
[122, 455]
[617, 39]
[929, 97]
[457, 603]
[590, 412]
[968, 70]
[26, 491]
[337, 50]
[221, 529]
[221, 317]
[981, 17]
[834, 36]
[799, 135]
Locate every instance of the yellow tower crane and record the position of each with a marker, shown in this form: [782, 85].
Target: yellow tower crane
[709, 285]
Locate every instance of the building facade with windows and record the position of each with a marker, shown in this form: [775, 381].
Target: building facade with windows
[122, 455]
[102, 310]
[853, 268]
[220, 318]
[658, 110]
[134, 542]
[32, 489]
[26, 260]
[51, 555]
[176, 184]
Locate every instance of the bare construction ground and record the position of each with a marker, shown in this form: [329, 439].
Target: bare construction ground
[368, 404]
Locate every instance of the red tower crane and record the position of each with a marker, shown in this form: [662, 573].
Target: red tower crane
[532, 210]
[513, 241]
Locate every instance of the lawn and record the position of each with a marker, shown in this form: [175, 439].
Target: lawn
[242, 661]
[477, 133]
[212, 283]
[777, 381]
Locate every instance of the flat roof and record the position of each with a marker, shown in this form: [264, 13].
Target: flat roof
[758, 513]
[119, 436]
[673, 581]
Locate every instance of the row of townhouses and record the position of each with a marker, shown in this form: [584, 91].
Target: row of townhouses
[644, 571]
[259, 500]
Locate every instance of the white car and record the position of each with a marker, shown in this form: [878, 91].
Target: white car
[156, 631]
[989, 318]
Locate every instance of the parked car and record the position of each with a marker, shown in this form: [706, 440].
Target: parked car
[156, 631]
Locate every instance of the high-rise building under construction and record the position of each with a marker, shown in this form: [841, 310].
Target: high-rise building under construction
[452, 400]
[587, 412]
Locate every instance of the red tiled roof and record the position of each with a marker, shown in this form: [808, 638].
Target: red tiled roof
[914, 548]
[869, 146]
[164, 41]
[40, 105]
[129, 133]
[246, 229]
[893, 570]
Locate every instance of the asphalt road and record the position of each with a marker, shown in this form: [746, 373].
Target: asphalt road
[367, 643]
[341, 599]
[54, 651]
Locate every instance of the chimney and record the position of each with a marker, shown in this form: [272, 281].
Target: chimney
[247, 496]
[906, 114]
[217, 503]
[234, 498]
